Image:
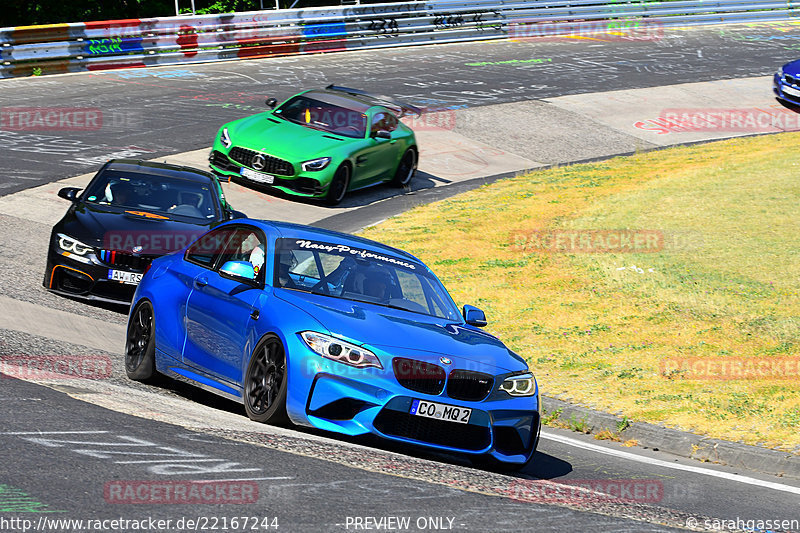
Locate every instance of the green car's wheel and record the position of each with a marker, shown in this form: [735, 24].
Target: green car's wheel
[339, 184]
[406, 168]
[265, 382]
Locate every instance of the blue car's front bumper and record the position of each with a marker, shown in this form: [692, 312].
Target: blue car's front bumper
[787, 87]
[332, 396]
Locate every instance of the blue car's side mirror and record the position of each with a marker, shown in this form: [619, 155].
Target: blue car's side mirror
[474, 316]
[238, 271]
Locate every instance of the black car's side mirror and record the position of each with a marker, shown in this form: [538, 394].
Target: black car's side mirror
[382, 134]
[474, 316]
[69, 193]
[271, 103]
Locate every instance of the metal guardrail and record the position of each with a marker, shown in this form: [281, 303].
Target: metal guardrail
[101, 45]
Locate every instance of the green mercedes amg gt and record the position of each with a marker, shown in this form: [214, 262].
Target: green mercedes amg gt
[320, 144]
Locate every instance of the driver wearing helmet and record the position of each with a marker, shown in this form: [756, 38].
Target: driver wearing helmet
[378, 284]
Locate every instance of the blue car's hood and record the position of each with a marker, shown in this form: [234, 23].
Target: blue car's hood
[792, 68]
[395, 330]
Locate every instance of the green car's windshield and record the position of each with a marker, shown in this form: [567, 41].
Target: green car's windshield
[324, 115]
[352, 273]
[154, 194]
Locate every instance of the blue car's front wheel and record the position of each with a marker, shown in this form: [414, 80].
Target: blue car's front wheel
[265, 382]
[140, 344]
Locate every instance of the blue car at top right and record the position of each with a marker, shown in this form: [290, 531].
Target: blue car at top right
[786, 82]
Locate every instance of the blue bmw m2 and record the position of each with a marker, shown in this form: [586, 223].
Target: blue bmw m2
[336, 332]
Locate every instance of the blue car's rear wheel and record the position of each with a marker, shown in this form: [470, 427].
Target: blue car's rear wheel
[140, 343]
[265, 382]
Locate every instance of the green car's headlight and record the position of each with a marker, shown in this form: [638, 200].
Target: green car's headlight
[225, 138]
[338, 350]
[519, 385]
[316, 164]
[68, 244]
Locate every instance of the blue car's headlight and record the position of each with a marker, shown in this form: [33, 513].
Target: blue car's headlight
[315, 164]
[339, 350]
[780, 72]
[519, 385]
[225, 138]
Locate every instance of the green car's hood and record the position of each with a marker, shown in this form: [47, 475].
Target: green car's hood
[284, 139]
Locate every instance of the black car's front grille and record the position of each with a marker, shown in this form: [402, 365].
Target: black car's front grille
[432, 431]
[272, 165]
[419, 376]
[125, 260]
[469, 386]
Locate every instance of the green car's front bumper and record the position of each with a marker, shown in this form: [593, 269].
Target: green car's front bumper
[288, 176]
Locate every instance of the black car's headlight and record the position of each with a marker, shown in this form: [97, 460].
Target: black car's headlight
[71, 245]
[315, 164]
[519, 385]
[225, 138]
[339, 350]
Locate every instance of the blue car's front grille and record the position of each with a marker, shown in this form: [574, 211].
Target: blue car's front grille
[469, 386]
[432, 431]
[272, 165]
[419, 376]
[791, 79]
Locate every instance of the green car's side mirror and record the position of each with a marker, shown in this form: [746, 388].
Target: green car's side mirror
[382, 134]
[271, 103]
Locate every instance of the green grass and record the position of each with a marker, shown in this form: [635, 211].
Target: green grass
[597, 327]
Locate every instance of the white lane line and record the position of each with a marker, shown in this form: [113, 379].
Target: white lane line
[239, 479]
[666, 464]
[50, 432]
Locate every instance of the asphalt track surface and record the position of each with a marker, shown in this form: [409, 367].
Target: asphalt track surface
[316, 481]
[160, 111]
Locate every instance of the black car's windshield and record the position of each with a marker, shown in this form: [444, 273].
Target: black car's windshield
[326, 116]
[153, 194]
[353, 273]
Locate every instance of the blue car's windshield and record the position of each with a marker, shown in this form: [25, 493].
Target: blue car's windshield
[353, 273]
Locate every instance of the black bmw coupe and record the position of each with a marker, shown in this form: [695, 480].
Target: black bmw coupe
[129, 214]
